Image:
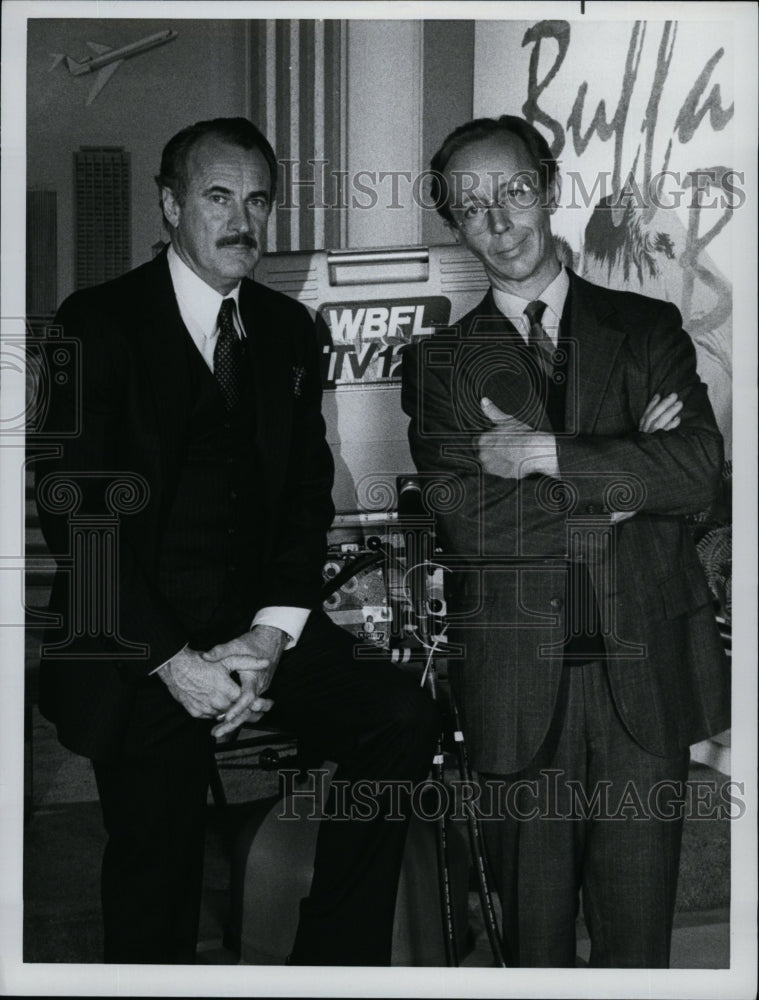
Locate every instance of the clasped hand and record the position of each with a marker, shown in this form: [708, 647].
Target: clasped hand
[201, 681]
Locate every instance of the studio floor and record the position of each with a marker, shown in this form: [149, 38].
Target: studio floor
[64, 841]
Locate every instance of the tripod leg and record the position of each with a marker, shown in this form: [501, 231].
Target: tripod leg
[477, 848]
[444, 874]
[443, 864]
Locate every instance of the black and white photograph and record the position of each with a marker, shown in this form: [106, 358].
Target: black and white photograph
[378, 417]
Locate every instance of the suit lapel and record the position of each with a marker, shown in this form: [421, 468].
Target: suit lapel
[496, 362]
[163, 340]
[597, 335]
[271, 367]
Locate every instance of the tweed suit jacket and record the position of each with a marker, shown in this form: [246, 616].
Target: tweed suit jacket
[510, 543]
[134, 406]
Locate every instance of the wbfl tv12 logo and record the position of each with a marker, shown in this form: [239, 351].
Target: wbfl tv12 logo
[366, 337]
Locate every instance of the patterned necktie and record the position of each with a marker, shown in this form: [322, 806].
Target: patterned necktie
[228, 355]
[539, 341]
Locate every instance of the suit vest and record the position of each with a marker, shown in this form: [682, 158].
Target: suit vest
[210, 555]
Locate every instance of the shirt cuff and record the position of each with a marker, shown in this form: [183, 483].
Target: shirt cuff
[169, 660]
[617, 516]
[289, 620]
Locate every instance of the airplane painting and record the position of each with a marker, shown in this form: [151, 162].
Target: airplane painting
[107, 60]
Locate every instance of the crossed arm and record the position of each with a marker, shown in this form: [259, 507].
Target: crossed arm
[673, 451]
[512, 449]
[678, 470]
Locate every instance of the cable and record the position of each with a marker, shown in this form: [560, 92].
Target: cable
[350, 570]
[477, 846]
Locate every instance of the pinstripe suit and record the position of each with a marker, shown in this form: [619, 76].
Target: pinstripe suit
[665, 681]
[150, 407]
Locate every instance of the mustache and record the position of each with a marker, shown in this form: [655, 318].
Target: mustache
[238, 240]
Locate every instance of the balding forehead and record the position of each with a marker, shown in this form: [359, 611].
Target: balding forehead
[486, 166]
[502, 148]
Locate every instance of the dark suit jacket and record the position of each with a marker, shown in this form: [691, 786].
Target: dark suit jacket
[134, 407]
[509, 541]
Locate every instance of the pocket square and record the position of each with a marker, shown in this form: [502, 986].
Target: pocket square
[299, 374]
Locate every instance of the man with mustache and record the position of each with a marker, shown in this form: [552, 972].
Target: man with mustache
[576, 434]
[203, 387]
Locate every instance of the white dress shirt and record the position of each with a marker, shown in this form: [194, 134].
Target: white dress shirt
[199, 306]
[554, 297]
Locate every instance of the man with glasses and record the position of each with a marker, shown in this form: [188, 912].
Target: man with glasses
[576, 431]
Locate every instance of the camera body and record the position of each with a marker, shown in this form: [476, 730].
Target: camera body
[51, 361]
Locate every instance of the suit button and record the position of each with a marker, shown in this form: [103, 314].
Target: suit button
[232, 568]
[233, 495]
[556, 603]
[227, 425]
[231, 531]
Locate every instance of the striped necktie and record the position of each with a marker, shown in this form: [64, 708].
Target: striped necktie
[539, 341]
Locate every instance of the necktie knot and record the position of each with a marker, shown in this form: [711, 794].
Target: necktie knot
[227, 355]
[226, 318]
[534, 311]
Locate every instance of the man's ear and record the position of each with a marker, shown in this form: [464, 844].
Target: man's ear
[171, 207]
[554, 192]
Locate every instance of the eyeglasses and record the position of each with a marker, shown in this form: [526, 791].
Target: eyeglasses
[473, 218]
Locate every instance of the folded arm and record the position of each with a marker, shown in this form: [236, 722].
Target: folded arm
[674, 456]
[679, 469]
